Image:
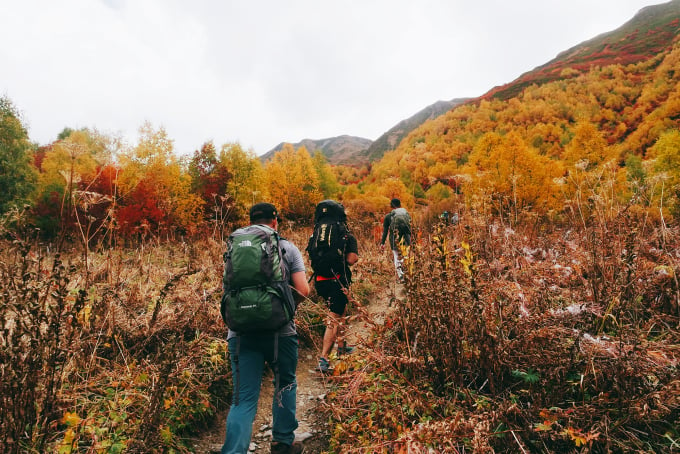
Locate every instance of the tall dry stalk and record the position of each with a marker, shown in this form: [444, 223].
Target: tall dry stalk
[39, 324]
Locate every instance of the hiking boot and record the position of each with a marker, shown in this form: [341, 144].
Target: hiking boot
[282, 448]
[346, 350]
[324, 365]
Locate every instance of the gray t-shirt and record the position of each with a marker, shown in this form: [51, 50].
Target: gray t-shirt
[295, 262]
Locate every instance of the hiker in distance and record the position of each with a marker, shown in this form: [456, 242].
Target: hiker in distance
[332, 251]
[262, 269]
[447, 219]
[397, 224]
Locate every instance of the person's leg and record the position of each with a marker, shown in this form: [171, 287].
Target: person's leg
[331, 333]
[283, 403]
[340, 340]
[397, 263]
[247, 377]
[336, 298]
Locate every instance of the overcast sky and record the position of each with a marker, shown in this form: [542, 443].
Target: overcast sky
[261, 72]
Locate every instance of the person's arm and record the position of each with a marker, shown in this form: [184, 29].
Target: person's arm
[386, 228]
[300, 285]
[352, 250]
[298, 274]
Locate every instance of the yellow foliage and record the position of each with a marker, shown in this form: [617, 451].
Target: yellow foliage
[506, 168]
[71, 419]
[293, 182]
[247, 184]
[588, 144]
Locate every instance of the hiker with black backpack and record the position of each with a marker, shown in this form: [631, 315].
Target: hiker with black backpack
[332, 250]
[397, 224]
[264, 280]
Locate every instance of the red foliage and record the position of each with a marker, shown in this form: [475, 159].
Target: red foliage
[141, 212]
[214, 184]
[39, 156]
[105, 181]
[209, 176]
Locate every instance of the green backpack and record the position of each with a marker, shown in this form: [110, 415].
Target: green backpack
[257, 295]
[401, 222]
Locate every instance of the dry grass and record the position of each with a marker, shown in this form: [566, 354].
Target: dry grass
[135, 359]
[503, 341]
[510, 341]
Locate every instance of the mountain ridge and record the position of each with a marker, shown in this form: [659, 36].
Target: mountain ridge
[344, 149]
[358, 151]
[651, 30]
[390, 139]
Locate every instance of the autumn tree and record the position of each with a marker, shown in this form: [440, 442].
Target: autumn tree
[68, 167]
[666, 155]
[156, 193]
[209, 178]
[587, 145]
[94, 196]
[386, 190]
[513, 175]
[438, 192]
[347, 175]
[328, 182]
[247, 183]
[293, 182]
[17, 177]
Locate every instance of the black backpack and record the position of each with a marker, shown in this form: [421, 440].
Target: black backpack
[326, 247]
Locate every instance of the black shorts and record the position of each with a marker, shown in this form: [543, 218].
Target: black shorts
[334, 295]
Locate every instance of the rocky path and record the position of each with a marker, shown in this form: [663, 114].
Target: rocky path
[313, 430]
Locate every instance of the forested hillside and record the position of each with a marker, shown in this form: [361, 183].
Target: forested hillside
[652, 30]
[530, 153]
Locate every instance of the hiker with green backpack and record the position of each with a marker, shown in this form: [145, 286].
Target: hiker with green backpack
[264, 280]
[397, 224]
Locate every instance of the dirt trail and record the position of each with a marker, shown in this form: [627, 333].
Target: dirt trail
[313, 430]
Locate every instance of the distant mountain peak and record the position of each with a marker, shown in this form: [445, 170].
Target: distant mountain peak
[344, 149]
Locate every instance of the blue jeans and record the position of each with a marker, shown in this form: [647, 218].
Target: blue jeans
[252, 354]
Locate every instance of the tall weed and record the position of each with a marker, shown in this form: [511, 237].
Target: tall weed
[40, 324]
[509, 341]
